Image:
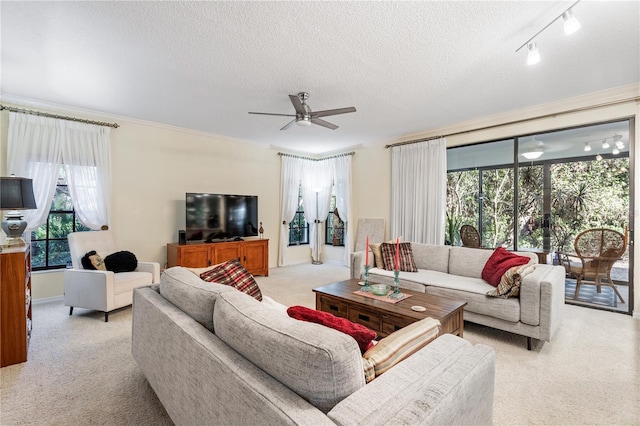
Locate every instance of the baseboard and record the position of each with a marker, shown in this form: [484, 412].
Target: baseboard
[47, 300]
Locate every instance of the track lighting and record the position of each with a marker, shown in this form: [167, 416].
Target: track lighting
[534, 56]
[615, 151]
[617, 140]
[587, 147]
[605, 144]
[570, 24]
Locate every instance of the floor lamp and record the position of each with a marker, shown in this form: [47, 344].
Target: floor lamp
[317, 261]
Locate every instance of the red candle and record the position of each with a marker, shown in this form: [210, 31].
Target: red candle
[397, 254]
[366, 258]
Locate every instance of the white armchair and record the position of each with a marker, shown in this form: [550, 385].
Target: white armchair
[102, 290]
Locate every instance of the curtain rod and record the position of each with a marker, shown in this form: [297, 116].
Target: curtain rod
[60, 117]
[283, 154]
[523, 120]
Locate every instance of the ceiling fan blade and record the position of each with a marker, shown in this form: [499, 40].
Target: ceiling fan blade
[297, 104]
[328, 112]
[289, 124]
[323, 123]
[271, 113]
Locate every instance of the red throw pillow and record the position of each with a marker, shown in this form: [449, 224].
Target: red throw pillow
[500, 262]
[362, 334]
[233, 274]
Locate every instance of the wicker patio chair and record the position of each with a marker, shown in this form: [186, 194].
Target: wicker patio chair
[596, 251]
[470, 236]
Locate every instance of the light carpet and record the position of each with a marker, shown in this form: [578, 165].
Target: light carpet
[80, 370]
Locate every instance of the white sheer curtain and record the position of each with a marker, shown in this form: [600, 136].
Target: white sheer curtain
[87, 158]
[33, 151]
[342, 182]
[316, 198]
[38, 146]
[289, 186]
[418, 191]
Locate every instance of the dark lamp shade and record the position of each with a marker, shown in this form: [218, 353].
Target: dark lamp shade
[16, 193]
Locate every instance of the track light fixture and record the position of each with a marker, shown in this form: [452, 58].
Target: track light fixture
[587, 147]
[617, 140]
[534, 56]
[605, 144]
[570, 24]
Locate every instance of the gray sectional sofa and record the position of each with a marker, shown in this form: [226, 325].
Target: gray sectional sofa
[456, 272]
[214, 355]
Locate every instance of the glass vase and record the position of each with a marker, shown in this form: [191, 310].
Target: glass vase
[366, 287]
[396, 284]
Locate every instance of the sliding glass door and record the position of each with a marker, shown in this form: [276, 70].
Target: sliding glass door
[539, 192]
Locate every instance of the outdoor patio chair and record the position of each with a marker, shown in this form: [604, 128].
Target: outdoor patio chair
[596, 251]
[470, 236]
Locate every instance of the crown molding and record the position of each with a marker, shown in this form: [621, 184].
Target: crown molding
[590, 99]
[27, 103]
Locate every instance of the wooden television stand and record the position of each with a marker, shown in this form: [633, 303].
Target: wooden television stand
[253, 254]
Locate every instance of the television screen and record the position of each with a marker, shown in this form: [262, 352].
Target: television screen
[219, 217]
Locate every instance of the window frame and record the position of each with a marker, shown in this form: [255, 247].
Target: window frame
[76, 226]
[328, 226]
[298, 217]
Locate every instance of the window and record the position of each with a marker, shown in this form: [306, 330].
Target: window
[334, 226]
[49, 245]
[299, 228]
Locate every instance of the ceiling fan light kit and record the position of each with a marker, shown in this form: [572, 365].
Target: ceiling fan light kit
[304, 116]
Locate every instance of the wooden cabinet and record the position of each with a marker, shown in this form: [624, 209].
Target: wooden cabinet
[15, 304]
[253, 254]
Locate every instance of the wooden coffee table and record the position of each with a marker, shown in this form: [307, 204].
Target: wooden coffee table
[384, 317]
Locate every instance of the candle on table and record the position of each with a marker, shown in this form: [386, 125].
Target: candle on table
[397, 254]
[366, 258]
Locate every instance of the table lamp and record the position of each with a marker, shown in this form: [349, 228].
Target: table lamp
[16, 193]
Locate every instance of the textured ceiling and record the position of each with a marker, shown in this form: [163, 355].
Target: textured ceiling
[405, 66]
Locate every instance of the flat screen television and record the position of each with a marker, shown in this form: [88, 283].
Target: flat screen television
[220, 217]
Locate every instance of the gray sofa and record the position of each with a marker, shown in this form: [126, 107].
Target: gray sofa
[214, 355]
[456, 272]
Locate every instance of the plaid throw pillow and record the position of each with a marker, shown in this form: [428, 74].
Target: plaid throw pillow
[406, 261]
[233, 274]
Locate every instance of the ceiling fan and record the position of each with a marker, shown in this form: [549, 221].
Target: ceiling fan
[304, 116]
